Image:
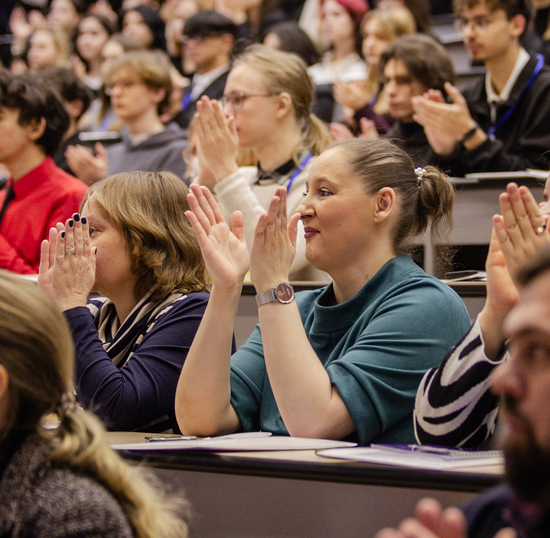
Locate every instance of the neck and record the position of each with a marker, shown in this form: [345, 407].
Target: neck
[70, 131]
[94, 68]
[280, 147]
[501, 68]
[214, 64]
[349, 279]
[146, 124]
[342, 49]
[124, 304]
[30, 158]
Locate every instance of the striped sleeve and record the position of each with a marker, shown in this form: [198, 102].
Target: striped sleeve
[454, 406]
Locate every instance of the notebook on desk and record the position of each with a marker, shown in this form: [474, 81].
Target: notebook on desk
[417, 456]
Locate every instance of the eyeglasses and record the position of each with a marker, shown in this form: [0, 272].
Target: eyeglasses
[237, 99]
[478, 24]
[123, 84]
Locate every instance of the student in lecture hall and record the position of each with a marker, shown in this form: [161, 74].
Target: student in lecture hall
[132, 245]
[454, 406]
[265, 108]
[343, 361]
[64, 481]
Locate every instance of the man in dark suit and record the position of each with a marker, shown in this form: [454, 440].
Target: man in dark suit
[209, 38]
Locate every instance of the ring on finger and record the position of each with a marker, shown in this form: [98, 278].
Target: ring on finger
[540, 229]
[69, 253]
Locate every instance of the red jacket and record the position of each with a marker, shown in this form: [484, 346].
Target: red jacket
[43, 197]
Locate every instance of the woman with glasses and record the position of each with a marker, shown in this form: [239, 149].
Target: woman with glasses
[265, 108]
[343, 361]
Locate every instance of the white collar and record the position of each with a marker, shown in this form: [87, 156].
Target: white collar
[492, 96]
[201, 82]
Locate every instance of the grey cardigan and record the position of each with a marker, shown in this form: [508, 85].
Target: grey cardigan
[39, 500]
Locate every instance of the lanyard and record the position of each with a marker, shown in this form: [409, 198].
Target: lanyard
[300, 168]
[186, 100]
[493, 128]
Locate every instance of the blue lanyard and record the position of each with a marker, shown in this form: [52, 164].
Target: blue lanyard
[186, 100]
[493, 128]
[300, 168]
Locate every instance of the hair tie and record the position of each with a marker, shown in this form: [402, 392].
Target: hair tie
[66, 405]
[420, 174]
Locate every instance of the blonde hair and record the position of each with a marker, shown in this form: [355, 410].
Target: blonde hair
[392, 23]
[61, 43]
[36, 350]
[152, 67]
[286, 72]
[148, 210]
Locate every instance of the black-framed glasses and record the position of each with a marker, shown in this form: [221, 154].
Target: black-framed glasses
[479, 23]
[237, 99]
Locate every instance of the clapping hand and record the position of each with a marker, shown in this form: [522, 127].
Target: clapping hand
[218, 138]
[274, 245]
[224, 250]
[67, 263]
[87, 166]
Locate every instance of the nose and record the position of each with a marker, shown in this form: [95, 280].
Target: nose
[305, 208]
[506, 380]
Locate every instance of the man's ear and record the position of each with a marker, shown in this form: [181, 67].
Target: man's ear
[517, 25]
[385, 204]
[285, 105]
[158, 94]
[36, 128]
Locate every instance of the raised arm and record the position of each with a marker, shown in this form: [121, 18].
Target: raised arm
[203, 396]
[453, 405]
[309, 404]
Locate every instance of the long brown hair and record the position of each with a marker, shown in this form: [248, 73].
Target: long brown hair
[36, 350]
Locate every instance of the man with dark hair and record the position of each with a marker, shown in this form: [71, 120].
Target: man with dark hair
[76, 98]
[501, 122]
[38, 194]
[209, 38]
[522, 506]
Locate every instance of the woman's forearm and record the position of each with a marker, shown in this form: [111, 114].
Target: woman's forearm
[203, 396]
[308, 402]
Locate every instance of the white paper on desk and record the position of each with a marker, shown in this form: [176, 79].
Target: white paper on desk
[516, 174]
[409, 459]
[239, 443]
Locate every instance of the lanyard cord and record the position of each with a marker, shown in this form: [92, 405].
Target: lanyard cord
[493, 128]
[300, 168]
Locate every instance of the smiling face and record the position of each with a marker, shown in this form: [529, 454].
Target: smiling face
[338, 216]
[400, 87]
[92, 36]
[114, 276]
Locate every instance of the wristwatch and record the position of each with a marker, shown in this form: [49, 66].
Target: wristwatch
[282, 292]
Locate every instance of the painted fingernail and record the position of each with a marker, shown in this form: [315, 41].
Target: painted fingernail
[83, 220]
[71, 223]
[76, 217]
[62, 235]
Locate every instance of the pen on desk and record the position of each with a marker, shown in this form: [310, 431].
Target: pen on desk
[172, 438]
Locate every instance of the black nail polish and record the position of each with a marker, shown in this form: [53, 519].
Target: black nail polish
[71, 223]
[83, 220]
[76, 217]
[62, 235]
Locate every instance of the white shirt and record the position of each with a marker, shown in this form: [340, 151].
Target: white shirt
[201, 82]
[492, 97]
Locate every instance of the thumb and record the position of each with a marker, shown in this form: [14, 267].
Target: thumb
[293, 228]
[100, 151]
[237, 226]
[454, 94]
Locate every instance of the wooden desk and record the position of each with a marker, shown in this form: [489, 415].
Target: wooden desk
[298, 494]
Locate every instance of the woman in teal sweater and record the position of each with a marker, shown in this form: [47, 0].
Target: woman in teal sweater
[344, 361]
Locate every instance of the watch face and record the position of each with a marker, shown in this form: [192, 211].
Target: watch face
[285, 292]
